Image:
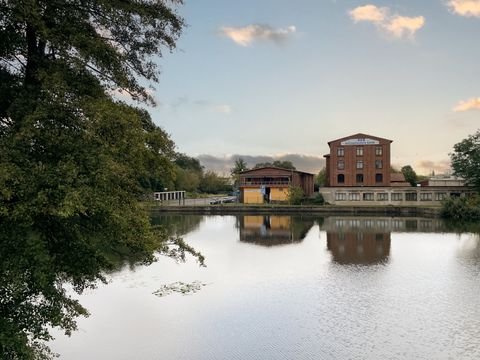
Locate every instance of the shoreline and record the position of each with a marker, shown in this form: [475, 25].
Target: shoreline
[300, 209]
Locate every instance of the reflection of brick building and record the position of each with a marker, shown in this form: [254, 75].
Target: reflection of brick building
[358, 160]
[359, 247]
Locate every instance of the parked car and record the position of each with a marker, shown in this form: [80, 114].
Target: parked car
[223, 200]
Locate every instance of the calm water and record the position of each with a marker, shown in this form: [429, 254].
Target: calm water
[282, 287]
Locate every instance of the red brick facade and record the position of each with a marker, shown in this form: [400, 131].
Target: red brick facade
[358, 160]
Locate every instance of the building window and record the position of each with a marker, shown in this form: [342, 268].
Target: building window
[378, 164]
[378, 237]
[354, 196]
[378, 151]
[359, 178]
[382, 197]
[411, 196]
[340, 165]
[368, 196]
[340, 178]
[360, 151]
[359, 164]
[340, 151]
[397, 196]
[440, 196]
[340, 196]
[426, 196]
[378, 178]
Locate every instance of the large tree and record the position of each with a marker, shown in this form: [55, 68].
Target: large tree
[239, 166]
[466, 159]
[74, 160]
[410, 175]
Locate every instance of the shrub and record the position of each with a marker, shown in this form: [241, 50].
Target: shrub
[295, 195]
[461, 208]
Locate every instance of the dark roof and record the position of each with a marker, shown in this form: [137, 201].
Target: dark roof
[275, 168]
[397, 177]
[359, 135]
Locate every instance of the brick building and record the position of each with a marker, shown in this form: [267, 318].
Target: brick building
[270, 184]
[358, 160]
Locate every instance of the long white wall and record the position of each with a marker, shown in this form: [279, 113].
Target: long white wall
[409, 196]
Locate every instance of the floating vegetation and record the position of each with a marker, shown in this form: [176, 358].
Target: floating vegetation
[179, 287]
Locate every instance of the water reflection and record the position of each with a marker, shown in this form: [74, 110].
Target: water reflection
[363, 246]
[273, 230]
[289, 301]
[383, 224]
[39, 274]
[177, 224]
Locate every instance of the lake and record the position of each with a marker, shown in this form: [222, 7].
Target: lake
[292, 287]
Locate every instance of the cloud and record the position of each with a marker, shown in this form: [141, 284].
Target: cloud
[204, 105]
[223, 109]
[400, 26]
[439, 167]
[395, 25]
[246, 35]
[465, 105]
[465, 7]
[369, 13]
[222, 165]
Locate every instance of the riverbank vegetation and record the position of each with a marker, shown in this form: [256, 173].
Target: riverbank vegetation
[466, 164]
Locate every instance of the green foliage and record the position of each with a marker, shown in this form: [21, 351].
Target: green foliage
[295, 195]
[321, 178]
[466, 160]
[239, 166]
[409, 174]
[276, 163]
[211, 183]
[188, 163]
[317, 200]
[187, 180]
[74, 161]
[462, 208]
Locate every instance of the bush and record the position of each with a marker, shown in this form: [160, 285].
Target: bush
[317, 200]
[295, 195]
[461, 208]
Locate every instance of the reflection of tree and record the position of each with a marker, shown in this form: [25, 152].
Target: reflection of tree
[177, 224]
[36, 269]
[271, 230]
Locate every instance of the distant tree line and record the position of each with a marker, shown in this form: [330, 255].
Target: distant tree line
[191, 176]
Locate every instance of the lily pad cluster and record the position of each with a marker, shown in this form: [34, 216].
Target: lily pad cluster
[179, 287]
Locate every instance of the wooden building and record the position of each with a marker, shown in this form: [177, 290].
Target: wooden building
[358, 160]
[270, 184]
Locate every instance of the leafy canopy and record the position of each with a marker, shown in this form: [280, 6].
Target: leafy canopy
[410, 175]
[466, 160]
[74, 160]
[239, 166]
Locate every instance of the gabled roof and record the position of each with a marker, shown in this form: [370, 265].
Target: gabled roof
[275, 168]
[359, 135]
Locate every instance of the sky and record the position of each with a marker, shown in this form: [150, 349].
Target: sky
[281, 77]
